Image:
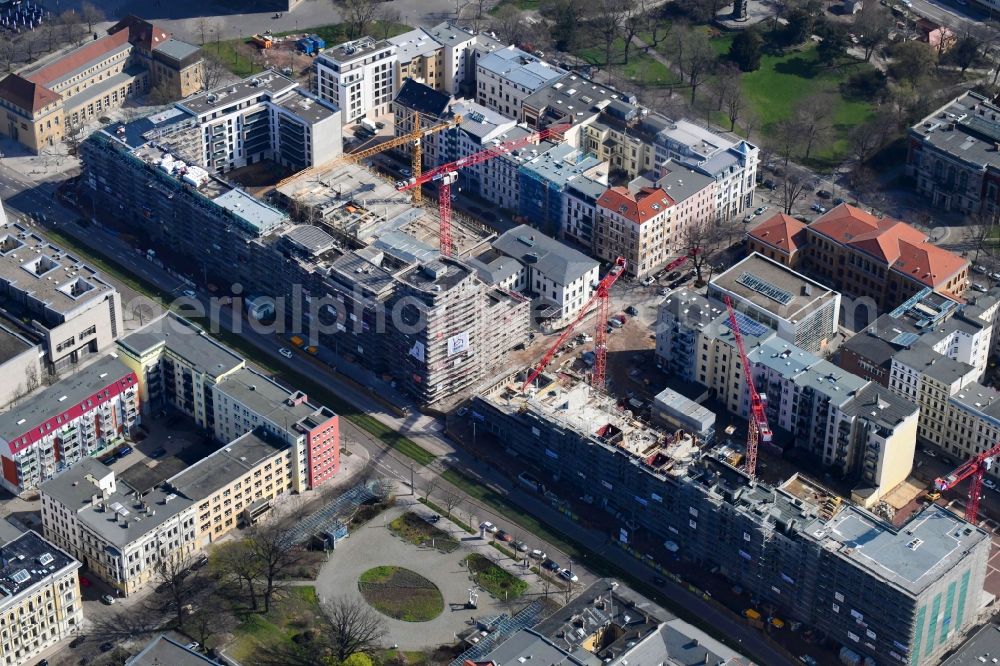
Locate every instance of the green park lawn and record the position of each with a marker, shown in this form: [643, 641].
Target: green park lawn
[641, 67]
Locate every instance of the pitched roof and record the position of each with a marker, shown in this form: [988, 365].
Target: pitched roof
[781, 231]
[640, 207]
[140, 32]
[417, 96]
[77, 58]
[897, 244]
[26, 94]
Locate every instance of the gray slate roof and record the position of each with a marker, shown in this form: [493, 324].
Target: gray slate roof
[555, 260]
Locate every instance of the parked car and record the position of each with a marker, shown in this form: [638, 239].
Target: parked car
[770, 184]
[978, 287]
[107, 599]
[674, 275]
[663, 291]
[823, 194]
[818, 208]
[990, 483]
[158, 453]
[189, 293]
[124, 451]
[286, 352]
[631, 311]
[433, 518]
[520, 546]
[551, 565]
[489, 527]
[405, 171]
[568, 575]
[838, 201]
[78, 641]
[648, 280]
[979, 268]
[107, 647]
[760, 211]
[503, 536]
[537, 554]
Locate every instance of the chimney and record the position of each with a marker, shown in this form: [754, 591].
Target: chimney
[94, 499]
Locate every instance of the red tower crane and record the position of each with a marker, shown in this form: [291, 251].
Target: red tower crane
[446, 174]
[975, 468]
[600, 295]
[757, 429]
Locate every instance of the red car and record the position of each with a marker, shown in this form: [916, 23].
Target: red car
[503, 536]
[84, 581]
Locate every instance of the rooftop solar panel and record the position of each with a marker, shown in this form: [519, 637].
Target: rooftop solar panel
[751, 281]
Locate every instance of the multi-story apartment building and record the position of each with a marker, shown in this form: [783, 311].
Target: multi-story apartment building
[358, 77]
[456, 44]
[558, 279]
[415, 97]
[952, 155]
[865, 257]
[636, 141]
[52, 297]
[905, 597]
[920, 374]
[39, 598]
[247, 400]
[177, 365]
[543, 179]
[693, 194]
[419, 57]
[570, 100]
[580, 210]
[116, 531]
[505, 77]
[83, 415]
[801, 310]
[637, 226]
[39, 107]
[266, 116]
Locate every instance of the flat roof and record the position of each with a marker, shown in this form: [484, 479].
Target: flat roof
[976, 129]
[773, 287]
[563, 163]
[877, 403]
[50, 275]
[681, 181]
[263, 396]
[137, 132]
[450, 34]
[12, 344]
[259, 215]
[981, 648]
[28, 560]
[307, 106]
[229, 463]
[185, 340]
[416, 42]
[572, 98]
[924, 359]
[264, 85]
[444, 272]
[75, 486]
[357, 49]
[912, 556]
[61, 397]
[176, 49]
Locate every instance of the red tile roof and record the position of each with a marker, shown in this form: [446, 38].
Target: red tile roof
[26, 94]
[140, 32]
[640, 207]
[781, 231]
[77, 58]
[894, 243]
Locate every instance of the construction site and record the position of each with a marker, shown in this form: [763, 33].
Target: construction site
[796, 549]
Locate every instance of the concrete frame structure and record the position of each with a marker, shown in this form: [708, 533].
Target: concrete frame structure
[903, 598]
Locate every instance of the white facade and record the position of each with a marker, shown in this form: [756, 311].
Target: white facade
[457, 43]
[359, 77]
[506, 76]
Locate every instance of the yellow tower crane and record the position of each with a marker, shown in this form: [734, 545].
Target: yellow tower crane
[414, 137]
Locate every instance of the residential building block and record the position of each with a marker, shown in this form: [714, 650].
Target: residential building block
[358, 77]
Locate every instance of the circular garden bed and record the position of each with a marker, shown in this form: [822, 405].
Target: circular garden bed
[401, 594]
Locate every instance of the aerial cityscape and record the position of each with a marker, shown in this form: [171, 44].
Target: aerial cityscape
[499, 332]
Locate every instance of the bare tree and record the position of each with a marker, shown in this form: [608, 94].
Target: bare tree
[177, 586]
[608, 21]
[213, 69]
[428, 486]
[237, 565]
[74, 26]
[872, 26]
[979, 228]
[659, 26]
[204, 28]
[698, 58]
[633, 23]
[352, 627]
[91, 15]
[508, 24]
[480, 10]
[32, 44]
[751, 121]
[814, 120]
[786, 139]
[124, 625]
[8, 51]
[31, 379]
[867, 138]
[734, 102]
[387, 17]
[358, 14]
[450, 499]
[211, 618]
[276, 553]
[791, 186]
[696, 240]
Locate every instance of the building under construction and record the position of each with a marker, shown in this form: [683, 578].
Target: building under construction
[363, 278]
[893, 594]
